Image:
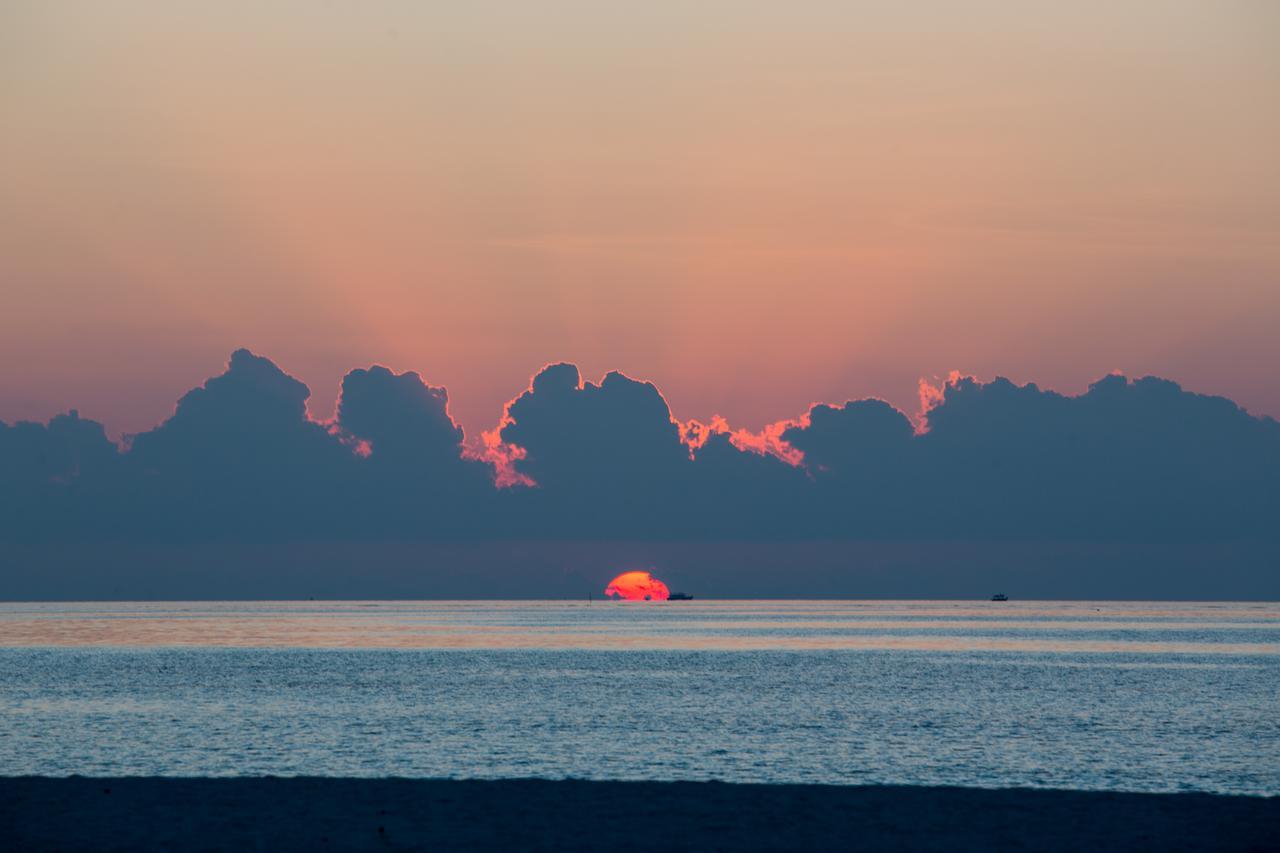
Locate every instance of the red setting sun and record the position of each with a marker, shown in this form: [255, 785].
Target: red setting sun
[637, 586]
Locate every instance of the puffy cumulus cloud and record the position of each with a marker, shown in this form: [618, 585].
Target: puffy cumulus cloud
[859, 439]
[931, 395]
[411, 473]
[252, 415]
[578, 435]
[747, 492]
[240, 456]
[492, 450]
[52, 476]
[605, 459]
[58, 452]
[1137, 459]
[1127, 458]
[768, 441]
[240, 459]
[403, 419]
[861, 458]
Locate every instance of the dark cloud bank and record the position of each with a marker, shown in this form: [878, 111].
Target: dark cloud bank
[1133, 489]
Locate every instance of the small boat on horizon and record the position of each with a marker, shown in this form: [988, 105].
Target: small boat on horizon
[999, 596]
[679, 596]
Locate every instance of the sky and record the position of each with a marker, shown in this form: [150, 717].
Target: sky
[756, 206]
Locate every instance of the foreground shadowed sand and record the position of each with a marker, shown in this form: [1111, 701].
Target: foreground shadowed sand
[395, 814]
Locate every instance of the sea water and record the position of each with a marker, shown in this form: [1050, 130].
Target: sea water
[1133, 696]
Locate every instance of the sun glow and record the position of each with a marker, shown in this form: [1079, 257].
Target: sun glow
[637, 586]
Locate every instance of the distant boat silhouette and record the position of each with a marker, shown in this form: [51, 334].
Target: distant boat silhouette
[999, 596]
[679, 596]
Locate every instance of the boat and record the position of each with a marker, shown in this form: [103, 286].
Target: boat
[999, 596]
[679, 596]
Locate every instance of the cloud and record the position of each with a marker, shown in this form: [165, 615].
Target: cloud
[604, 459]
[53, 477]
[1140, 458]
[239, 457]
[61, 451]
[241, 460]
[744, 492]
[575, 435]
[769, 441]
[405, 420]
[410, 475]
[862, 438]
[253, 417]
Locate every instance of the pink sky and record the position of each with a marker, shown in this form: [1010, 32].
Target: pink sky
[753, 205]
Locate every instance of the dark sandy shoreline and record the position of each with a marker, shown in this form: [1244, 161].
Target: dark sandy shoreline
[38, 813]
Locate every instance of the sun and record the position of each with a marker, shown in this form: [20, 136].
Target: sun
[637, 586]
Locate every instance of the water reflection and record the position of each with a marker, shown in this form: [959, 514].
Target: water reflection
[1039, 627]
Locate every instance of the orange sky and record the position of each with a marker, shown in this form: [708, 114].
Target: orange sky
[754, 205]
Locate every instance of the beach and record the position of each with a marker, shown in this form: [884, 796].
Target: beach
[274, 813]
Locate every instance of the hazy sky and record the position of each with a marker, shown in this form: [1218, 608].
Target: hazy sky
[754, 205]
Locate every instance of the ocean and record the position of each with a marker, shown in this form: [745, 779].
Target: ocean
[1126, 696]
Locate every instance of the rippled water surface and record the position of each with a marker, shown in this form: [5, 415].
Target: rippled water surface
[1104, 695]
